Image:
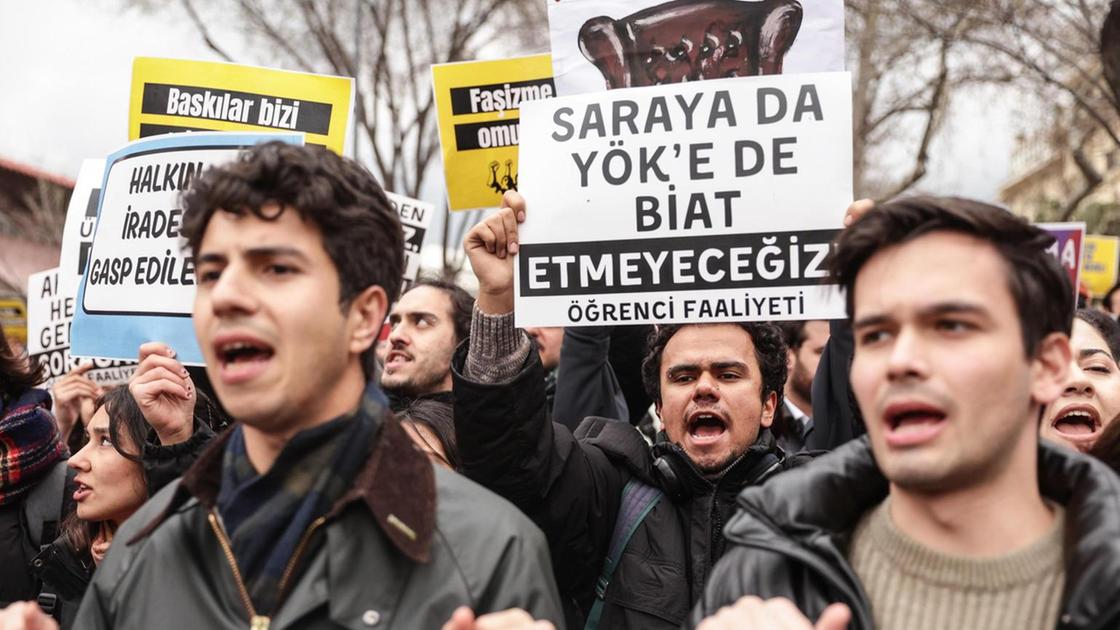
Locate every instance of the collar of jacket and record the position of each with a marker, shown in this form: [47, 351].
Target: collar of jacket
[759, 460]
[825, 499]
[396, 484]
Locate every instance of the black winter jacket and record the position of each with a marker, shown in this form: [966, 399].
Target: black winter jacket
[790, 538]
[63, 573]
[571, 486]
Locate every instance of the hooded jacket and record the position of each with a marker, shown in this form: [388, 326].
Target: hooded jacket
[404, 546]
[791, 536]
[571, 486]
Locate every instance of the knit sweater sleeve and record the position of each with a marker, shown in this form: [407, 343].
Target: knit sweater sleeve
[496, 350]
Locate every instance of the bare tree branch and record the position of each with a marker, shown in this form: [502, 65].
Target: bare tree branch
[203, 32]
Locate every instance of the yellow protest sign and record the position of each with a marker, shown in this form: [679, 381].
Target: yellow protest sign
[171, 95]
[477, 104]
[1100, 263]
[13, 318]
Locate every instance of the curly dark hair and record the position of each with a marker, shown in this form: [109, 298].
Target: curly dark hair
[1040, 287]
[361, 231]
[769, 350]
[462, 304]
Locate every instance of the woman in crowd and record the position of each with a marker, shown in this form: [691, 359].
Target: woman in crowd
[431, 426]
[31, 463]
[113, 479]
[1091, 399]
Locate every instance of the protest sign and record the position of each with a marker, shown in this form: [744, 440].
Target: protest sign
[50, 309]
[172, 95]
[608, 44]
[1101, 261]
[1068, 241]
[13, 318]
[139, 284]
[415, 217]
[77, 232]
[709, 201]
[477, 104]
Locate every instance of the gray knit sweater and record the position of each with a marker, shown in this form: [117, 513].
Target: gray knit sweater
[912, 587]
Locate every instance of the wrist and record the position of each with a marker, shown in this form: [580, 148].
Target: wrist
[495, 302]
[175, 435]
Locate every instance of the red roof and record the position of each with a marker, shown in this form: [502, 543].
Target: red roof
[31, 171]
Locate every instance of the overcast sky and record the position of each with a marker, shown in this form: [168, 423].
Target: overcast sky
[66, 67]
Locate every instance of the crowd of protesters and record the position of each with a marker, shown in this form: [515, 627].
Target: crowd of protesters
[943, 458]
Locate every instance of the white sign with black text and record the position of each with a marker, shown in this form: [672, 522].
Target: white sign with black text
[695, 202]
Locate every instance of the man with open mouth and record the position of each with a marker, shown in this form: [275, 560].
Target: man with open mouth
[950, 513]
[426, 324]
[716, 388]
[315, 509]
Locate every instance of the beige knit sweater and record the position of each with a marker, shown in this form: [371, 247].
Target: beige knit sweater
[912, 587]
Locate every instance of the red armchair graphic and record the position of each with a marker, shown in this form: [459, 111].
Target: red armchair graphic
[686, 40]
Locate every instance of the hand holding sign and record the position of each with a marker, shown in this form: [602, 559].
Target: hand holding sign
[165, 393]
[74, 395]
[490, 246]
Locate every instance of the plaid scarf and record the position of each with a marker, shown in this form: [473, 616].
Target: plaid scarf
[29, 444]
[267, 515]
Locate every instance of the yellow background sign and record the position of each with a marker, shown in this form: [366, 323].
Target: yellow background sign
[477, 104]
[171, 95]
[13, 318]
[1099, 263]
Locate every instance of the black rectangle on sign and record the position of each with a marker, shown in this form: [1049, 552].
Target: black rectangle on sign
[91, 203]
[682, 263]
[270, 112]
[487, 135]
[476, 99]
[148, 130]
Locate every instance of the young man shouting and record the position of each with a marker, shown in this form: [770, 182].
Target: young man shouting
[950, 513]
[315, 509]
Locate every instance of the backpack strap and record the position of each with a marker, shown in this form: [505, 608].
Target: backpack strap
[42, 508]
[638, 499]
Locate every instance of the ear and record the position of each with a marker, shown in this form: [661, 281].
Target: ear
[1050, 368]
[791, 357]
[769, 406]
[367, 313]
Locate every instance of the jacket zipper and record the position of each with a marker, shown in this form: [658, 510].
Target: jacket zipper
[256, 622]
[261, 622]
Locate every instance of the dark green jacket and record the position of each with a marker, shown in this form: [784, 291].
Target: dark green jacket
[404, 547]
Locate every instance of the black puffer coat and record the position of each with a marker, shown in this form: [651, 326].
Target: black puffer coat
[790, 537]
[571, 486]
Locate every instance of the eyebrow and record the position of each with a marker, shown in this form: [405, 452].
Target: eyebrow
[941, 308]
[277, 251]
[693, 367]
[413, 315]
[1088, 352]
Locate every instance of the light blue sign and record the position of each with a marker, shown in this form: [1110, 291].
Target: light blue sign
[139, 282]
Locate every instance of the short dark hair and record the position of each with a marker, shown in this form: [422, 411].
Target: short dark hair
[793, 332]
[1106, 326]
[1039, 286]
[18, 373]
[361, 231]
[462, 303]
[1110, 296]
[769, 351]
